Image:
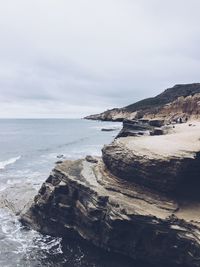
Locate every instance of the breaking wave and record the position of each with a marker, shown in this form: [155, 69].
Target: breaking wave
[10, 161]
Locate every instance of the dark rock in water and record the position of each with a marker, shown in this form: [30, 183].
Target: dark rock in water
[59, 162]
[91, 159]
[61, 156]
[82, 199]
[108, 129]
[157, 123]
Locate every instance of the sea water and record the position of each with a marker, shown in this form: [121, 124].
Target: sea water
[29, 149]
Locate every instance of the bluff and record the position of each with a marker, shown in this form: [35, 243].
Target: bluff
[158, 106]
[140, 199]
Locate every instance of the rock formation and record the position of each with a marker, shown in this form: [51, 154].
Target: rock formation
[116, 203]
[178, 101]
[159, 162]
[182, 107]
[143, 127]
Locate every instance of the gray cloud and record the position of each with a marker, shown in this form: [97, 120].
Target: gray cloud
[72, 58]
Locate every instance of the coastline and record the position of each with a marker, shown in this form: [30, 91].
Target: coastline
[99, 194]
[21, 180]
[140, 198]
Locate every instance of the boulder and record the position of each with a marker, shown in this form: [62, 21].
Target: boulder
[61, 156]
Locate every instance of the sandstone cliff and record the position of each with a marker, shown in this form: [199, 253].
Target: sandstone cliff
[84, 199]
[182, 107]
[159, 162]
[117, 204]
[165, 104]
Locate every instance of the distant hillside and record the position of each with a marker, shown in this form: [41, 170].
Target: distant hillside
[150, 106]
[169, 95]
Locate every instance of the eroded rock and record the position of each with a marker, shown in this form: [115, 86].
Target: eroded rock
[158, 162]
[83, 199]
[91, 159]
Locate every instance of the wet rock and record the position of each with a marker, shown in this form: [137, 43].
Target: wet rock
[61, 156]
[59, 162]
[108, 129]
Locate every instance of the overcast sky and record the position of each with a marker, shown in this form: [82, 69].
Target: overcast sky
[64, 58]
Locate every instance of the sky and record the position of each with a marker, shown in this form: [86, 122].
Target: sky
[68, 59]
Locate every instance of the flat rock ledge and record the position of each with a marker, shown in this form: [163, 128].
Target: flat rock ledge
[82, 198]
[158, 162]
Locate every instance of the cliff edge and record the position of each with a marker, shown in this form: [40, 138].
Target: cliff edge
[174, 102]
[140, 200]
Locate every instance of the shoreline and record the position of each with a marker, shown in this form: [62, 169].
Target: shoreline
[85, 190]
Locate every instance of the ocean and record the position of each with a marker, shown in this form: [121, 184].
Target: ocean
[29, 149]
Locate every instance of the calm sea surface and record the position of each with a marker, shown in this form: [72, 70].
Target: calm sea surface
[28, 151]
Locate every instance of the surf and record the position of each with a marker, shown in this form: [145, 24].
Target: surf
[4, 164]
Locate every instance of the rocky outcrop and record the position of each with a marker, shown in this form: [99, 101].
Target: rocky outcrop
[83, 199]
[183, 107]
[140, 200]
[157, 122]
[158, 162]
[143, 127]
[115, 114]
[134, 128]
[175, 102]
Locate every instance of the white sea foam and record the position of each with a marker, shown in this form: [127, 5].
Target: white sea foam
[10, 161]
[17, 240]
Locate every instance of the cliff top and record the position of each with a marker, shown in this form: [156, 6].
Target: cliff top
[153, 106]
[183, 141]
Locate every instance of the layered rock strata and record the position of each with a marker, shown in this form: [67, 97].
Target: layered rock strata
[180, 101]
[83, 199]
[143, 127]
[158, 162]
[116, 203]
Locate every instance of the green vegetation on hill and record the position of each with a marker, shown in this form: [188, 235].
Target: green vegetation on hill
[169, 95]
